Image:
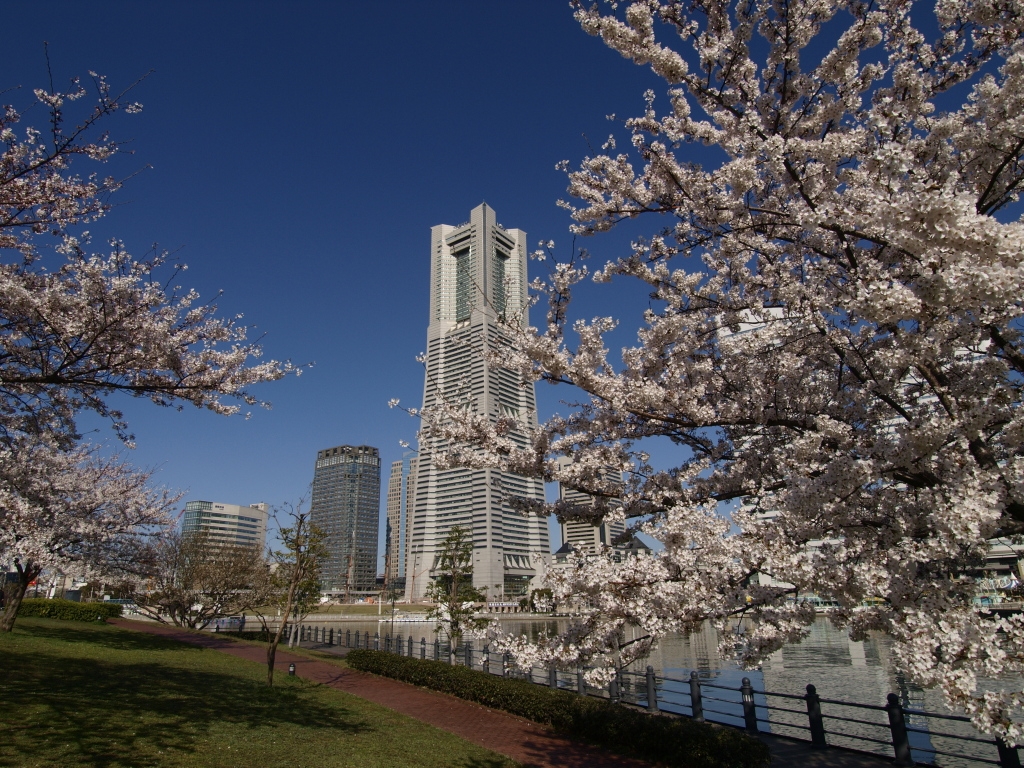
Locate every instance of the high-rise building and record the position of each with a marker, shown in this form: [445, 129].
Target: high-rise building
[581, 535]
[401, 493]
[477, 276]
[227, 524]
[346, 507]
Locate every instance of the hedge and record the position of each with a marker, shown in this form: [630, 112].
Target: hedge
[665, 739]
[68, 610]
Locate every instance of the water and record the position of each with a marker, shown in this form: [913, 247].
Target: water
[839, 668]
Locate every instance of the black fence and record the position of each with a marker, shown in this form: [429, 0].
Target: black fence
[891, 729]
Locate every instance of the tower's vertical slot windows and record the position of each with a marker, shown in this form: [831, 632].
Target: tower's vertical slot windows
[499, 272]
[463, 285]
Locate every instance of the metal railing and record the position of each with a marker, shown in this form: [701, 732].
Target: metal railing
[892, 729]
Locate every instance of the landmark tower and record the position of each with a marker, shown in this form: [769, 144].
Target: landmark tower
[477, 276]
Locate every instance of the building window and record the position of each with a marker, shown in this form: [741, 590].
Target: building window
[499, 271]
[463, 285]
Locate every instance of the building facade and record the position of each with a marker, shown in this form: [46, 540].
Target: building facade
[580, 535]
[401, 496]
[346, 507]
[477, 277]
[227, 524]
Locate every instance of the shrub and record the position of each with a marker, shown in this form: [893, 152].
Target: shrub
[671, 740]
[68, 610]
[258, 635]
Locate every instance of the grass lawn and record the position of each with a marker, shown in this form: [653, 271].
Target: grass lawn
[95, 695]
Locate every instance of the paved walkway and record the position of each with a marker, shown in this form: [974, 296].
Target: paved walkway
[522, 740]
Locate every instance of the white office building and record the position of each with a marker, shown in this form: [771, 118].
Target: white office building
[477, 274]
[227, 524]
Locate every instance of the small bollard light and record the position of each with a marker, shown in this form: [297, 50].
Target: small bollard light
[291, 669]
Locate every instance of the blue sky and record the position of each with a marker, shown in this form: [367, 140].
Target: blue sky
[295, 156]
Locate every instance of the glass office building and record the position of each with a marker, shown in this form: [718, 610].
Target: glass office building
[346, 506]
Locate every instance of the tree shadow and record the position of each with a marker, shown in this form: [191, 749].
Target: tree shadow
[123, 714]
[102, 635]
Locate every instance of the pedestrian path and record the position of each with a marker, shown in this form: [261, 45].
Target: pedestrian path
[522, 740]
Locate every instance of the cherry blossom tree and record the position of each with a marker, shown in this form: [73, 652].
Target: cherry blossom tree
[833, 343]
[194, 580]
[75, 512]
[77, 326]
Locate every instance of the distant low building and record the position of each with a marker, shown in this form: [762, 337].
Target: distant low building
[227, 524]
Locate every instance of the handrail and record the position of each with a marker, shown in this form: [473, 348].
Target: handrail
[635, 688]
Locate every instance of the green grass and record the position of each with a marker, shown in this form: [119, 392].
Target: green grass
[76, 694]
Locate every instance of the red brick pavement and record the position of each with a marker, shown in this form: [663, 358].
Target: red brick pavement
[520, 739]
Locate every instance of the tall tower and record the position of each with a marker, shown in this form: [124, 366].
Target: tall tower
[477, 275]
[401, 493]
[346, 506]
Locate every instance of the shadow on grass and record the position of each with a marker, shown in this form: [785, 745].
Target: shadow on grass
[103, 635]
[126, 714]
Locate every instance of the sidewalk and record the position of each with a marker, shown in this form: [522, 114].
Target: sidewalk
[522, 740]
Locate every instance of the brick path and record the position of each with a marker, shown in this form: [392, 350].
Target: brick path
[527, 742]
[522, 740]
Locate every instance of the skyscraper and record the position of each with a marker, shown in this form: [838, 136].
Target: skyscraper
[477, 275]
[401, 493]
[346, 506]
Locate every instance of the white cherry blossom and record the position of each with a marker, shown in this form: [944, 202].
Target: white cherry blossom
[833, 340]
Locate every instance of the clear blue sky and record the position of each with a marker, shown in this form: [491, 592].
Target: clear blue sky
[299, 154]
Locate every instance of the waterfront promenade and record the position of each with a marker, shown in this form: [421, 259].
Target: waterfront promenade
[522, 740]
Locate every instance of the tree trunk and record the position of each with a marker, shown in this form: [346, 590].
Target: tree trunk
[25, 575]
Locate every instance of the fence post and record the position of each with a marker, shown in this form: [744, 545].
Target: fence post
[898, 727]
[387, 641]
[696, 703]
[423, 648]
[749, 715]
[376, 640]
[581, 683]
[348, 638]
[1008, 757]
[652, 690]
[437, 648]
[613, 691]
[467, 654]
[814, 715]
[553, 677]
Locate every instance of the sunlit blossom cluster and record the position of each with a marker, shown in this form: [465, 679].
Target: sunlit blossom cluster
[833, 341]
